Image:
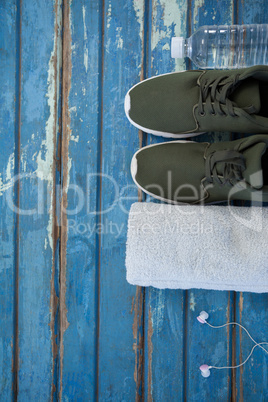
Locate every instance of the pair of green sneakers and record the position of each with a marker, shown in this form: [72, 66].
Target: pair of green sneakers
[186, 104]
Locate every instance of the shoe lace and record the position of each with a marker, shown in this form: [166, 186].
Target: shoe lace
[214, 93]
[233, 164]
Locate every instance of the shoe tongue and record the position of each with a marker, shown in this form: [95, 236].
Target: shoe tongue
[246, 96]
[253, 173]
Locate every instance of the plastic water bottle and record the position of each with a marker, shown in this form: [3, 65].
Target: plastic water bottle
[224, 46]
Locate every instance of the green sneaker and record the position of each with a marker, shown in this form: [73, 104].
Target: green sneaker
[192, 172]
[185, 104]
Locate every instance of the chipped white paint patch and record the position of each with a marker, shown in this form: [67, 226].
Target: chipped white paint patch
[4, 186]
[86, 58]
[10, 167]
[109, 15]
[73, 109]
[119, 38]
[158, 309]
[85, 39]
[45, 157]
[23, 160]
[197, 5]
[33, 136]
[9, 181]
[107, 47]
[172, 13]
[74, 138]
[84, 91]
[120, 43]
[139, 11]
[169, 19]
[46, 243]
[192, 302]
[166, 47]
[68, 175]
[84, 22]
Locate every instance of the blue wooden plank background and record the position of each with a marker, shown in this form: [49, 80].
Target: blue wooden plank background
[72, 328]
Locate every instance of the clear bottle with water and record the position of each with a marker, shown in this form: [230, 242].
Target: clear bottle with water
[224, 46]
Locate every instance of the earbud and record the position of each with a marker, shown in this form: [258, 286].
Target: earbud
[205, 372]
[203, 316]
[205, 369]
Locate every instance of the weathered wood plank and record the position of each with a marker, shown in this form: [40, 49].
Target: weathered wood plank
[251, 379]
[164, 309]
[206, 345]
[38, 281]
[79, 376]
[164, 345]
[8, 114]
[120, 336]
[252, 309]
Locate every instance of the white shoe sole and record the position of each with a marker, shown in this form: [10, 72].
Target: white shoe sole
[127, 107]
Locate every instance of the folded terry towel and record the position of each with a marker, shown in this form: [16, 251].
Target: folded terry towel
[208, 247]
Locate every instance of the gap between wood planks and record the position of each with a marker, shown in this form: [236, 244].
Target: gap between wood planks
[54, 299]
[64, 146]
[139, 306]
[99, 186]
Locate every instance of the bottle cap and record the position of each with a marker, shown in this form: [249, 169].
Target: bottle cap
[177, 47]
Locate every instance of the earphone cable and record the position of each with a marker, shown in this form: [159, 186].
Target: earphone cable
[236, 323]
[239, 365]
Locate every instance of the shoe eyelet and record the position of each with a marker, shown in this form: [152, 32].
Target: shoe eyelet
[202, 114]
[213, 114]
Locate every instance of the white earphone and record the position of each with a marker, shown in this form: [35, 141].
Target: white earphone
[205, 369]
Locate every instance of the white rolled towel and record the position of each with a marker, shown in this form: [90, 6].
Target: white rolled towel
[207, 247]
